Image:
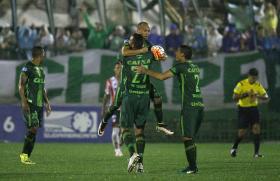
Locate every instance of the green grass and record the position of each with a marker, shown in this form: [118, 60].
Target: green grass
[62, 161]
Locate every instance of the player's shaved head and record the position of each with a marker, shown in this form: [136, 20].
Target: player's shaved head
[142, 24]
[143, 29]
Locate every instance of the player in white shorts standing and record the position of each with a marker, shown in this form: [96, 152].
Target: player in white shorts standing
[108, 99]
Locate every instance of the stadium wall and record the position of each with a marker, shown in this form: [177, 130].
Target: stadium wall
[76, 82]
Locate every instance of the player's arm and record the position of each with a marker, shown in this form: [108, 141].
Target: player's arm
[47, 103]
[21, 85]
[263, 97]
[236, 96]
[161, 76]
[239, 93]
[86, 18]
[126, 51]
[106, 97]
[105, 101]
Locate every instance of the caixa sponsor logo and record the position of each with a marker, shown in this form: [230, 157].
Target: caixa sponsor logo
[70, 124]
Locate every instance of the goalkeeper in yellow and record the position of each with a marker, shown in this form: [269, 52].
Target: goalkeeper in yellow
[247, 93]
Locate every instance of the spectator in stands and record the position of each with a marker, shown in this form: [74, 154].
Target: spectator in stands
[62, 39]
[97, 34]
[173, 40]
[271, 41]
[270, 20]
[7, 42]
[231, 40]
[260, 38]
[46, 39]
[155, 38]
[77, 41]
[189, 38]
[115, 40]
[247, 41]
[214, 41]
[200, 41]
[271, 49]
[26, 40]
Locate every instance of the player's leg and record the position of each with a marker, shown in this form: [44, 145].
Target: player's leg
[140, 147]
[243, 124]
[126, 122]
[157, 101]
[240, 135]
[112, 110]
[190, 122]
[28, 146]
[256, 129]
[129, 141]
[33, 121]
[116, 134]
[140, 121]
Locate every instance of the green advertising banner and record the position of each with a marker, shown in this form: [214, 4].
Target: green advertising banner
[80, 78]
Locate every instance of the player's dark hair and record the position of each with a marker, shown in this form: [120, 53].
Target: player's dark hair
[253, 72]
[37, 51]
[119, 62]
[137, 41]
[187, 50]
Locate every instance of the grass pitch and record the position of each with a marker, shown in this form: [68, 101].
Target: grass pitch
[67, 161]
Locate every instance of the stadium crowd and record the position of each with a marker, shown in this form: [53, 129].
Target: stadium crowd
[207, 38]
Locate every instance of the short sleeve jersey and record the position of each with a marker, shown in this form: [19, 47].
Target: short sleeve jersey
[34, 87]
[122, 85]
[187, 74]
[244, 86]
[137, 83]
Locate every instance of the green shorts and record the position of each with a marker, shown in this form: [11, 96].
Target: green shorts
[134, 110]
[190, 121]
[34, 118]
[121, 91]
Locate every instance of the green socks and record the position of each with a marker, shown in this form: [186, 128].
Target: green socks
[190, 149]
[128, 139]
[140, 146]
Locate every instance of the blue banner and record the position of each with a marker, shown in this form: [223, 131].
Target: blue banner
[12, 126]
[65, 124]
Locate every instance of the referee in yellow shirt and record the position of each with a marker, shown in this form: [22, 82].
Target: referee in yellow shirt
[247, 93]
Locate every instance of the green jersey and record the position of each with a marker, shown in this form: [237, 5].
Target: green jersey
[187, 74]
[34, 87]
[137, 83]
